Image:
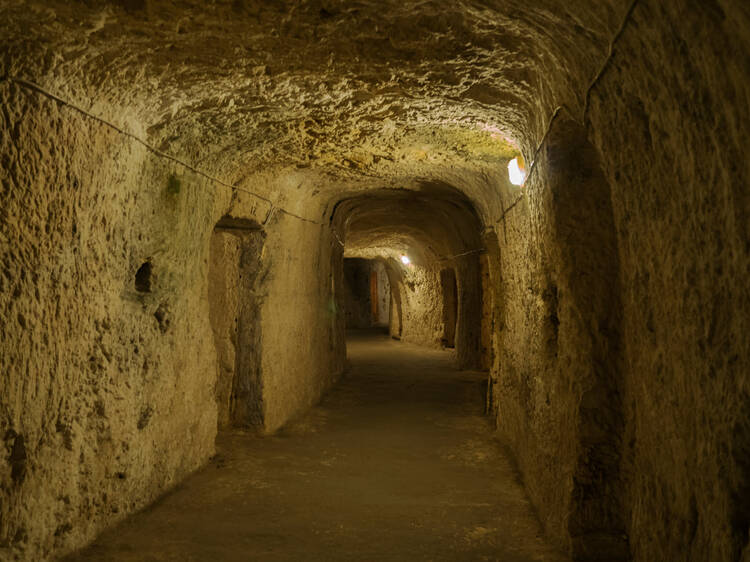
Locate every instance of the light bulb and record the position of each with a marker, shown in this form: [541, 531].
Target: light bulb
[405, 260]
[515, 172]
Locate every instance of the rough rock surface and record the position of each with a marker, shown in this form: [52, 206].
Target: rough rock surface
[619, 299]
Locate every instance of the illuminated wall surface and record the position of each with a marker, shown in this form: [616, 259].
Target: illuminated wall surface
[183, 182]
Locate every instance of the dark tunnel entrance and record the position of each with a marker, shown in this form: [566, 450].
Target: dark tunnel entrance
[449, 292]
[367, 294]
[236, 247]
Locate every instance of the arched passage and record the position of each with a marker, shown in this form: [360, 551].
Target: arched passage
[419, 234]
[618, 270]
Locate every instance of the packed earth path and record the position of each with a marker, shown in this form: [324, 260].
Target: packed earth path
[398, 462]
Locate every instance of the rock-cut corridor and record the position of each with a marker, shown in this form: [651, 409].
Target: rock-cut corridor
[542, 205]
[396, 463]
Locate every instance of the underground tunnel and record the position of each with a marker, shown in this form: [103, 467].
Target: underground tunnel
[356, 280]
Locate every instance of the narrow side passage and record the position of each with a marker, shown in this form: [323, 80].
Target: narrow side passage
[397, 463]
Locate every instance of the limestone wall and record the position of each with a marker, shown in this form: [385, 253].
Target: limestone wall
[109, 363]
[488, 321]
[672, 131]
[384, 294]
[621, 376]
[421, 305]
[302, 322]
[108, 388]
[558, 387]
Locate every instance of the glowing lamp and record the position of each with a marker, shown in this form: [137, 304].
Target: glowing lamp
[405, 260]
[516, 171]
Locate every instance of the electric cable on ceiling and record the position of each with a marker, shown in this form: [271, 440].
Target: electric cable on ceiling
[587, 95]
[272, 207]
[28, 84]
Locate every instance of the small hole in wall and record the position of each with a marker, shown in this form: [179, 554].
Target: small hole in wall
[143, 278]
[174, 185]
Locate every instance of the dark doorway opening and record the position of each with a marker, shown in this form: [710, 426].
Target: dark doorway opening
[450, 306]
[367, 294]
[374, 295]
[233, 274]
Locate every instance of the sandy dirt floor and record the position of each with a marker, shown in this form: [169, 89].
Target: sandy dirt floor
[396, 463]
